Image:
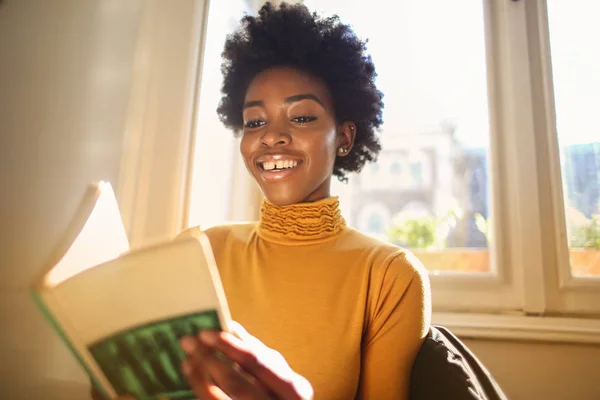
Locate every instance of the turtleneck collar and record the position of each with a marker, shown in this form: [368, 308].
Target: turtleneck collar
[302, 223]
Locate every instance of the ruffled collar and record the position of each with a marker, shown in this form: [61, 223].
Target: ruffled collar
[302, 223]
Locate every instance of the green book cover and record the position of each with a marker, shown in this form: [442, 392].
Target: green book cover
[146, 361]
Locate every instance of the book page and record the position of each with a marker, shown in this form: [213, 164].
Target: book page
[101, 238]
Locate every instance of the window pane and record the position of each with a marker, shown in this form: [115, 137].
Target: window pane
[429, 188]
[574, 34]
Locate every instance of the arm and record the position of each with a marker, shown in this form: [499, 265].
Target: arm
[398, 320]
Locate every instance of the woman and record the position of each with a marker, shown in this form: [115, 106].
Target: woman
[346, 313]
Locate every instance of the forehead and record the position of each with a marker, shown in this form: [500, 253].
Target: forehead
[278, 83]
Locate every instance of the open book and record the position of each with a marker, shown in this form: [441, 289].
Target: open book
[122, 311]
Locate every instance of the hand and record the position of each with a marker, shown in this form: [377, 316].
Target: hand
[257, 371]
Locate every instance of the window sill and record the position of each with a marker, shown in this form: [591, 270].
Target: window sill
[584, 263]
[521, 327]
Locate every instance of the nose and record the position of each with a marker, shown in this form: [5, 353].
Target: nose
[275, 138]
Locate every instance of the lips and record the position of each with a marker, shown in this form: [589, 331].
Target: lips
[275, 167]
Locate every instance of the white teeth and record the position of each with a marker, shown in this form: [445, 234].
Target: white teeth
[279, 164]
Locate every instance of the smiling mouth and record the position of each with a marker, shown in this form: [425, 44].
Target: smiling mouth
[279, 165]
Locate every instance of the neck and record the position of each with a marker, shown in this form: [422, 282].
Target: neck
[301, 223]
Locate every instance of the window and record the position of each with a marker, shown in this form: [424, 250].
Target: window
[396, 170]
[373, 179]
[575, 65]
[374, 219]
[435, 137]
[469, 131]
[416, 172]
[375, 224]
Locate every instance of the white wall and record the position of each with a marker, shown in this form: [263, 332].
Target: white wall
[537, 370]
[65, 74]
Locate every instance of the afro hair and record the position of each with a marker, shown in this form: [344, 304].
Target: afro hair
[292, 36]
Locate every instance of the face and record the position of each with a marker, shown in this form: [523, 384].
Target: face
[291, 137]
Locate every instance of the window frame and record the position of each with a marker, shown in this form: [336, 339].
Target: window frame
[503, 290]
[568, 294]
[533, 267]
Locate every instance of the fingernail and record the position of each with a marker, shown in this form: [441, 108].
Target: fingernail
[188, 344]
[208, 337]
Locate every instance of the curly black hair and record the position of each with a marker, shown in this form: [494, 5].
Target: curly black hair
[291, 35]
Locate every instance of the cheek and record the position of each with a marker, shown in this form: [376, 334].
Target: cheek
[331, 143]
[328, 149]
[246, 150]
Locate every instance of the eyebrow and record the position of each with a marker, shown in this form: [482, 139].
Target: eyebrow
[255, 103]
[291, 99]
[308, 96]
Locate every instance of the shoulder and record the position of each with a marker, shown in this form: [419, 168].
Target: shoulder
[385, 255]
[403, 270]
[398, 288]
[406, 263]
[389, 264]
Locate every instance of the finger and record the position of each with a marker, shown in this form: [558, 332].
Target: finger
[194, 373]
[302, 384]
[217, 393]
[201, 385]
[259, 347]
[239, 331]
[272, 370]
[255, 345]
[223, 373]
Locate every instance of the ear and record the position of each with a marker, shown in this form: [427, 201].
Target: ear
[346, 136]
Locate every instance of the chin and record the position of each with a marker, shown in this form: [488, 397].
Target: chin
[281, 197]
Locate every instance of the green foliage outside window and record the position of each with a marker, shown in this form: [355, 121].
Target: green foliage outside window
[587, 236]
[423, 231]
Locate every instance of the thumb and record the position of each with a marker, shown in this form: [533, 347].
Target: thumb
[238, 330]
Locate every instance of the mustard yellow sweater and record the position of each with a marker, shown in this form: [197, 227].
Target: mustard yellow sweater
[347, 312]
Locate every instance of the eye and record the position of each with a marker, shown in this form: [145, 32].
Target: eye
[255, 123]
[304, 119]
